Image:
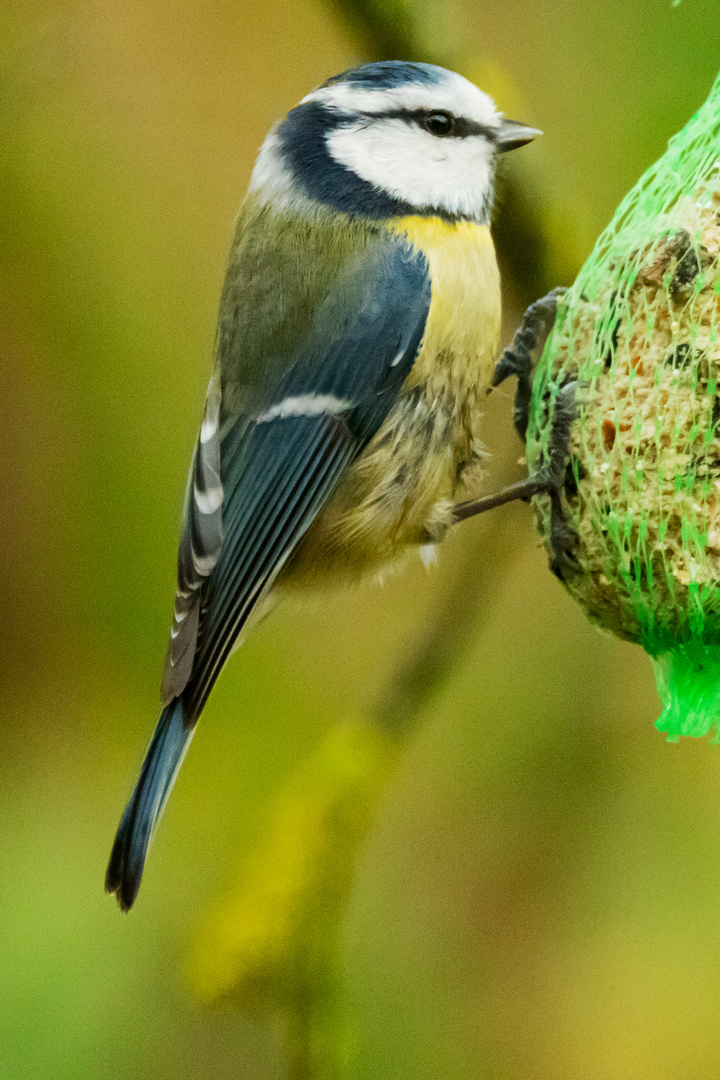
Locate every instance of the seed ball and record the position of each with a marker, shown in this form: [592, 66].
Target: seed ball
[642, 486]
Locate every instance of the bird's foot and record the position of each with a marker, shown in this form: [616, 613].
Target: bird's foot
[520, 357]
[563, 540]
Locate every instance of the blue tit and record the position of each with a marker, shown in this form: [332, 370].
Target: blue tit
[357, 334]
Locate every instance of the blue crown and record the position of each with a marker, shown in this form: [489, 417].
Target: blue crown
[390, 74]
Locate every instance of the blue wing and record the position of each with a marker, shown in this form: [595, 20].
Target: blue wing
[258, 480]
[278, 465]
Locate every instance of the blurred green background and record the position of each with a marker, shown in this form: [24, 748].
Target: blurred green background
[540, 896]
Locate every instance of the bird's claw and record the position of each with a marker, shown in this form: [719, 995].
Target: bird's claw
[518, 358]
[563, 539]
[550, 477]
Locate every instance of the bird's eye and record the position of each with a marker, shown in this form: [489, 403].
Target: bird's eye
[438, 123]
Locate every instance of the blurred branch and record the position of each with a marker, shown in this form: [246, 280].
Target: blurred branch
[273, 942]
[425, 30]
[456, 619]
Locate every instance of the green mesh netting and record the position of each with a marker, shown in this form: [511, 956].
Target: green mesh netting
[639, 332]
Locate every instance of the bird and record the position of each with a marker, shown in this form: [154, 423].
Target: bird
[358, 326]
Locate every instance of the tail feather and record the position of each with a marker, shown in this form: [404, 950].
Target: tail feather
[159, 769]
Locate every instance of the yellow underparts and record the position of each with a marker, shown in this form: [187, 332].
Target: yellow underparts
[401, 490]
[463, 324]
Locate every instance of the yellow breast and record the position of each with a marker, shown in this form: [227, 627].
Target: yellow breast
[463, 324]
[400, 492]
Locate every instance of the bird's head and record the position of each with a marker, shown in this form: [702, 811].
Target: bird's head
[387, 139]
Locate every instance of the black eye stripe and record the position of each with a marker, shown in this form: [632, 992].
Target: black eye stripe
[462, 128]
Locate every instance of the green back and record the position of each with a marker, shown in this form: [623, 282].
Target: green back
[281, 291]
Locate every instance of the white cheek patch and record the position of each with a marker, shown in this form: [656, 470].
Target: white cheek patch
[416, 167]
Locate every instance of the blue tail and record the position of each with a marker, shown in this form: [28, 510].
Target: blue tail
[162, 761]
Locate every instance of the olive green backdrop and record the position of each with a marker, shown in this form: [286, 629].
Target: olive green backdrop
[540, 896]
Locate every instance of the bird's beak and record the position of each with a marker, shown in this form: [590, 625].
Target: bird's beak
[512, 135]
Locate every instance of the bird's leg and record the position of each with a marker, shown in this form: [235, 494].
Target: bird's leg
[549, 479]
[518, 359]
[524, 489]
